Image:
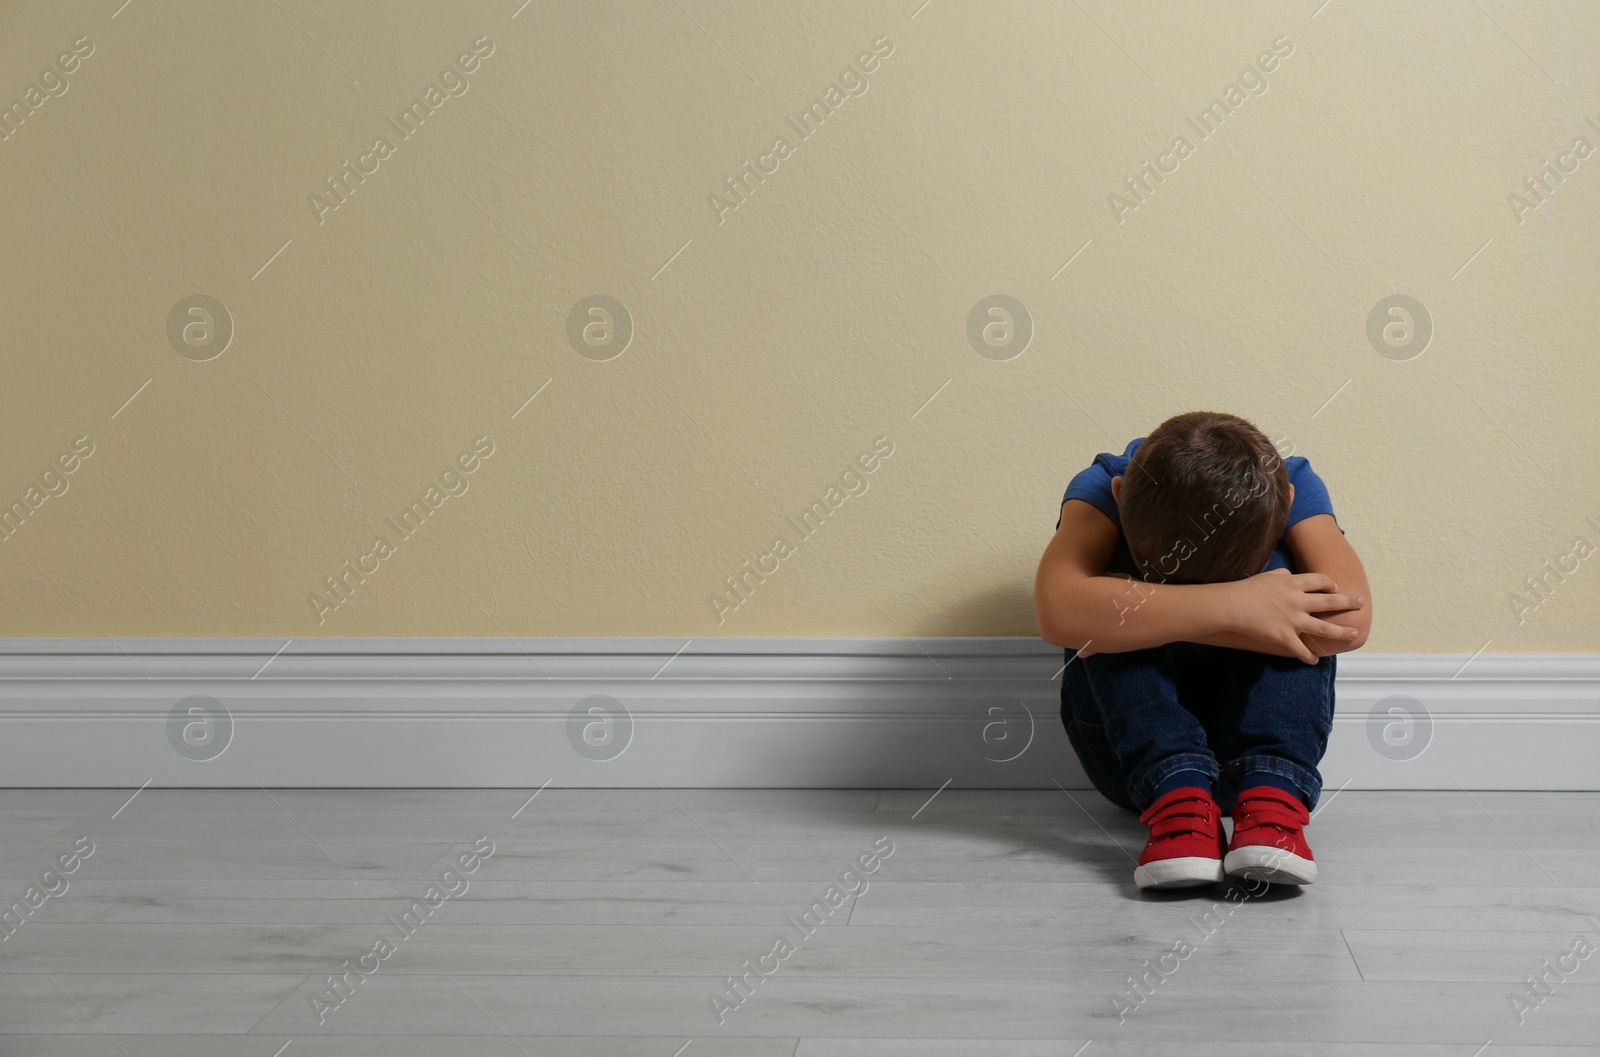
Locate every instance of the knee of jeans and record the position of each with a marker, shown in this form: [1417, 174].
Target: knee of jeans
[1099, 762]
[1077, 695]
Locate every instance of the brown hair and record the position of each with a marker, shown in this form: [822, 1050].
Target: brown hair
[1204, 499]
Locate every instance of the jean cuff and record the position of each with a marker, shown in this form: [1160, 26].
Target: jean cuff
[1308, 783]
[1142, 788]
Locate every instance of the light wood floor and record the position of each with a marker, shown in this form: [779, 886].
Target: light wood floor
[1002, 924]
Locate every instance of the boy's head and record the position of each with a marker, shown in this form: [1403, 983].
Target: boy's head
[1204, 499]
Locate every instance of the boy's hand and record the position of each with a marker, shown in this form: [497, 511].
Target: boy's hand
[1277, 606]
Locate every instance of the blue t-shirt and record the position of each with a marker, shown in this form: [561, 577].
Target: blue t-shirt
[1093, 485]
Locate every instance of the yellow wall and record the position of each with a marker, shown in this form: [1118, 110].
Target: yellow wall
[819, 315]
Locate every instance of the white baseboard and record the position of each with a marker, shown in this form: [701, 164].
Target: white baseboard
[750, 712]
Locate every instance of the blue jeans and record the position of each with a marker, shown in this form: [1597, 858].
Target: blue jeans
[1137, 718]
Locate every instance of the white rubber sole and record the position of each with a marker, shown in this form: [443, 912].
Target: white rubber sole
[1274, 865]
[1179, 873]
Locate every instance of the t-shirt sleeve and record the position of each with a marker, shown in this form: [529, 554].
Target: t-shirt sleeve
[1310, 493]
[1092, 484]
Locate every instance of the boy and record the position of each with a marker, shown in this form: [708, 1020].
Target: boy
[1202, 587]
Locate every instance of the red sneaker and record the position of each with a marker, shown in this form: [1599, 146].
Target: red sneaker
[1186, 841]
[1267, 839]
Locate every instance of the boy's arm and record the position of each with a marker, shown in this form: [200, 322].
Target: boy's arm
[1076, 604]
[1317, 546]
[1079, 606]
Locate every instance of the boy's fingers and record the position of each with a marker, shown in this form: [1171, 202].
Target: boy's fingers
[1322, 602]
[1329, 630]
